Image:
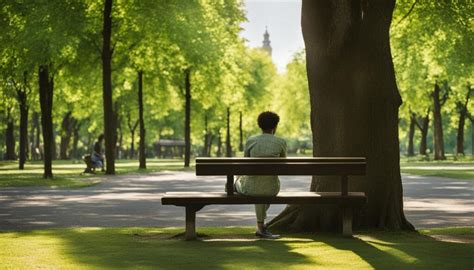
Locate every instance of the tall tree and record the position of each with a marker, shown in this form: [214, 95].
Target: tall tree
[354, 109]
[187, 118]
[110, 132]
[439, 99]
[46, 89]
[142, 153]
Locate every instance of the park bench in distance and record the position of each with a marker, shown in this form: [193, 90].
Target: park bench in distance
[337, 166]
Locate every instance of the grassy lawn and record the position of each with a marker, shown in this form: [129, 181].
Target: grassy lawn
[459, 168]
[228, 248]
[68, 174]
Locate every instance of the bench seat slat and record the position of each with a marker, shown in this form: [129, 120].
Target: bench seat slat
[190, 198]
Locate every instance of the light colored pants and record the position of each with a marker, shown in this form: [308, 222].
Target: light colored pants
[260, 209]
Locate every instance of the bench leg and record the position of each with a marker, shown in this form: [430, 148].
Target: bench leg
[346, 221]
[190, 223]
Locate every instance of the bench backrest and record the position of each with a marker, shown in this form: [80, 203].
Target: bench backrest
[339, 166]
[281, 166]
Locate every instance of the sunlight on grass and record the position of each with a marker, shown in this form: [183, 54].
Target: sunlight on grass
[68, 173]
[226, 248]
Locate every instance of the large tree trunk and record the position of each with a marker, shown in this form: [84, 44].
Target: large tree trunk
[10, 139]
[438, 124]
[187, 118]
[142, 154]
[110, 133]
[354, 110]
[46, 87]
[228, 145]
[411, 135]
[66, 132]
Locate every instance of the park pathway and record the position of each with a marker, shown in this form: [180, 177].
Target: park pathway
[134, 200]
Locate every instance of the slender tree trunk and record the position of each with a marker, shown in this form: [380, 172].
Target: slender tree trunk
[142, 154]
[354, 110]
[10, 139]
[437, 124]
[132, 145]
[228, 145]
[209, 147]
[37, 143]
[46, 88]
[241, 134]
[472, 136]
[66, 132]
[462, 107]
[205, 149]
[460, 134]
[32, 139]
[76, 127]
[120, 139]
[110, 132]
[187, 119]
[411, 135]
[425, 123]
[219, 144]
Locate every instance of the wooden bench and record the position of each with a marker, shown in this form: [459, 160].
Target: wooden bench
[337, 166]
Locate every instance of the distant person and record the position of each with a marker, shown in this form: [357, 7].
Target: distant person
[263, 145]
[97, 158]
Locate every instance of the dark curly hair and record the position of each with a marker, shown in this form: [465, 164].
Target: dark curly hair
[268, 120]
[101, 137]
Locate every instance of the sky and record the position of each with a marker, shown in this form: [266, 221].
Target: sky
[282, 17]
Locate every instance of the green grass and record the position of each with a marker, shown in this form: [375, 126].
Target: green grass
[226, 248]
[68, 174]
[448, 168]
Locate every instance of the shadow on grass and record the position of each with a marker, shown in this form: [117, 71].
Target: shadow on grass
[238, 249]
[158, 249]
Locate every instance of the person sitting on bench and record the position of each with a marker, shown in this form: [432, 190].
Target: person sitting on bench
[97, 158]
[263, 145]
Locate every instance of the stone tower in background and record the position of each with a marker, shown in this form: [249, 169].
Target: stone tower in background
[266, 42]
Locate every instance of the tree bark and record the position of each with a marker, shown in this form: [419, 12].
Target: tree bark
[438, 124]
[187, 118]
[10, 139]
[46, 88]
[142, 153]
[411, 135]
[228, 145]
[110, 132]
[66, 132]
[354, 111]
